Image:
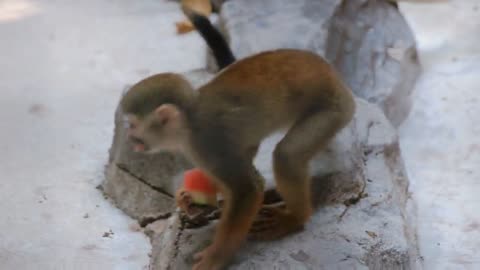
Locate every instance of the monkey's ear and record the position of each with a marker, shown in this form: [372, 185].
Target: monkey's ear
[166, 113]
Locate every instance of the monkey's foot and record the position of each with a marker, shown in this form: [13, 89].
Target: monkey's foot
[209, 259]
[274, 222]
[184, 27]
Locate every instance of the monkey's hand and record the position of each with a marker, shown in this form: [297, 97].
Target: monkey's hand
[184, 200]
[273, 222]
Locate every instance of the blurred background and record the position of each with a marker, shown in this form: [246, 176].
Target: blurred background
[63, 65]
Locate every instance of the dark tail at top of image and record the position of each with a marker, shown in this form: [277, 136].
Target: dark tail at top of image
[217, 43]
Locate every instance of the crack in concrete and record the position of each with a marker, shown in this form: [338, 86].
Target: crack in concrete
[361, 167]
[124, 169]
[145, 220]
[176, 246]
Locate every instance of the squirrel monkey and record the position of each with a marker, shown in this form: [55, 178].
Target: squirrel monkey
[220, 126]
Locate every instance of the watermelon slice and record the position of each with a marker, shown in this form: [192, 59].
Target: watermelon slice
[200, 187]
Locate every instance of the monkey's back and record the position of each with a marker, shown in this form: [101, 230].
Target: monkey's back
[272, 89]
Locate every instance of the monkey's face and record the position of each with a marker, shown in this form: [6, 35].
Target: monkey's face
[161, 130]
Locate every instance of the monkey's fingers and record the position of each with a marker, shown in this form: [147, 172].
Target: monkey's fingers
[272, 209]
[273, 223]
[184, 199]
[263, 225]
[185, 203]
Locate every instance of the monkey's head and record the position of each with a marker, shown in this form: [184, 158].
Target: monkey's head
[156, 112]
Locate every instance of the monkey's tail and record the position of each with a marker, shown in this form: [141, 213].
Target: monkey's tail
[216, 42]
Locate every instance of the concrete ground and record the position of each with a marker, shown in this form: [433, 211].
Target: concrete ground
[64, 64]
[441, 138]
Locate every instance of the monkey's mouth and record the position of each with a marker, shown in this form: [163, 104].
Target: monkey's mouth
[138, 144]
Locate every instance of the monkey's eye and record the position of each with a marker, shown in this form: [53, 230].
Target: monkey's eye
[125, 123]
[128, 125]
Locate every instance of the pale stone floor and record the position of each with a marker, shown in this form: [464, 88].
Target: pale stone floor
[441, 138]
[64, 64]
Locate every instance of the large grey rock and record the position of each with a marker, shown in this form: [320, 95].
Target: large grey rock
[368, 41]
[361, 223]
[364, 218]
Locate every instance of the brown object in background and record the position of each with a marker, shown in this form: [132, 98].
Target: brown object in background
[204, 7]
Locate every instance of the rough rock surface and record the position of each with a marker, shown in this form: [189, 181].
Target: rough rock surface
[367, 40]
[361, 221]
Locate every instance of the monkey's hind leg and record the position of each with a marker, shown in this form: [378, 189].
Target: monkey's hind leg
[291, 158]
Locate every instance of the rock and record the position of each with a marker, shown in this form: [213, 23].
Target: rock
[372, 46]
[368, 42]
[360, 222]
[156, 227]
[364, 219]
